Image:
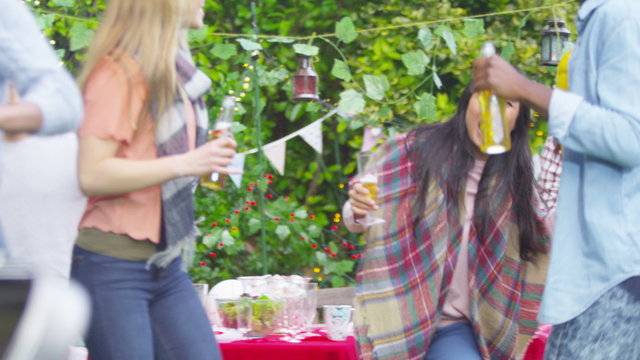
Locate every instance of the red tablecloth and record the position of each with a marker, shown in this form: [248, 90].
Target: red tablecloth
[317, 347]
[535, 349]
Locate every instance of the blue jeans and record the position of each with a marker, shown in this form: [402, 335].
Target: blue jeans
[141, 314]
[609, 329]
[454, 342]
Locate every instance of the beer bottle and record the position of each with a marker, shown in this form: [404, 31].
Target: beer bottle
[222, 127]
[496, 138]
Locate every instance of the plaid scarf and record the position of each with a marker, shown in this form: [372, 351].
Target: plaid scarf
[178, 230]
[406, 270]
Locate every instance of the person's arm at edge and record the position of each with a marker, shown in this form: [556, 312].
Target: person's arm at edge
[51, 101]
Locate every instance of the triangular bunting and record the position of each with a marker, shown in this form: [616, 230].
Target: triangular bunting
[275, 152]
[312, 134]
[237, 163]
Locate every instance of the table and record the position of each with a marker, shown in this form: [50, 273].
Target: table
[317, 347]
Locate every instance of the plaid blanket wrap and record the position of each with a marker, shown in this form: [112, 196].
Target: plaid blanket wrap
[178, 230]
[403, 278]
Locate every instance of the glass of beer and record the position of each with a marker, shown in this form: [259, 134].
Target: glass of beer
[368, 177]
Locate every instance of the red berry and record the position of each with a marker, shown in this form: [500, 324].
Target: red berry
[334, 227]
[269, 182]
[212, 254]
[276, 218]
[270, 177]
[220, 244]
[207, 234]
[327, 250]
[234, 229]
[214, 224]
[202, 263]
[359, 256]
[353, 257]
[312, 216]
[269, 196]
[292, 215]
[286, 198]
[247, 208]
[248, 202]
[292, 220]
[250, 189]
[254, 203]
[227, 220]
[252, 184]
[237, 211]
[332, 255]
[351, 247]
[345, 244]
[303, 238]
[314, 246]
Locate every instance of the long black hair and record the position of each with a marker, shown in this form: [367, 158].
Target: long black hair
[444, 153]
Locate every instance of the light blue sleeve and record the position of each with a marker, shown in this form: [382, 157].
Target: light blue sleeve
[610, 130]
[27, 60]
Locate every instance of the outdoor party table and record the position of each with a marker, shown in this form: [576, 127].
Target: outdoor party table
[317, 347]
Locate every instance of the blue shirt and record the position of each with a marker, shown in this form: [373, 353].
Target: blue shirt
[596, 243]
[27, 61]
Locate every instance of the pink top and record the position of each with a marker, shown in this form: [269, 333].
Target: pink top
[113, 99]
[456, 304]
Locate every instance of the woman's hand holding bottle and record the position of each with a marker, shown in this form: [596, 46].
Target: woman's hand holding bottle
[213, 156]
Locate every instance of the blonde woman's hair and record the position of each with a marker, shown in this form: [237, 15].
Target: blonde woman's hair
[148, 31]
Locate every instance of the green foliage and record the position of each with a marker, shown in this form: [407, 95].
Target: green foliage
[409, 74]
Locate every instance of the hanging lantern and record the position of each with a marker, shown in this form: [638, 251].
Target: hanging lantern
[305, 81]
[553, 38]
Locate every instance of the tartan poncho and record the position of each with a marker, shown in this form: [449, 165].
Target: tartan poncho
[406, 270]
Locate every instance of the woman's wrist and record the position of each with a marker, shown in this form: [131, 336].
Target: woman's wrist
[179, 166]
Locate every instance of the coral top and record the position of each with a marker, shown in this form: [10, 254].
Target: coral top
[112, 106]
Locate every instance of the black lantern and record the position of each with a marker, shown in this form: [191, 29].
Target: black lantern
[553, 39]
[305, 81]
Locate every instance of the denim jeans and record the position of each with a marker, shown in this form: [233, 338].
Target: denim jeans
[454, 342]
[141, 314]
[609, 329]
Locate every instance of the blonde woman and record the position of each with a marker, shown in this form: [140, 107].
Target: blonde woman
[142, 144]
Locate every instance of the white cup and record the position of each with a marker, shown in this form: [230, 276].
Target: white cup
[338, 319]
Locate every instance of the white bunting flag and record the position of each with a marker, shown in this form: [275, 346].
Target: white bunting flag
[237, 163]
[275, 152]
[312, 134]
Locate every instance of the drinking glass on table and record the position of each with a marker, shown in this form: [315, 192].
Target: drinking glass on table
[368, 177]
[310, 304]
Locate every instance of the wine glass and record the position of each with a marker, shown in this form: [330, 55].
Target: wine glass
[368, 177]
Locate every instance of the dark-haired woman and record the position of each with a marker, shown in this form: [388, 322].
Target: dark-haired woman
[458, 267]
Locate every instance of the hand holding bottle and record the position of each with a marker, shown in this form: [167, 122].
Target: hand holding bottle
[497, 75]
[213, 156]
